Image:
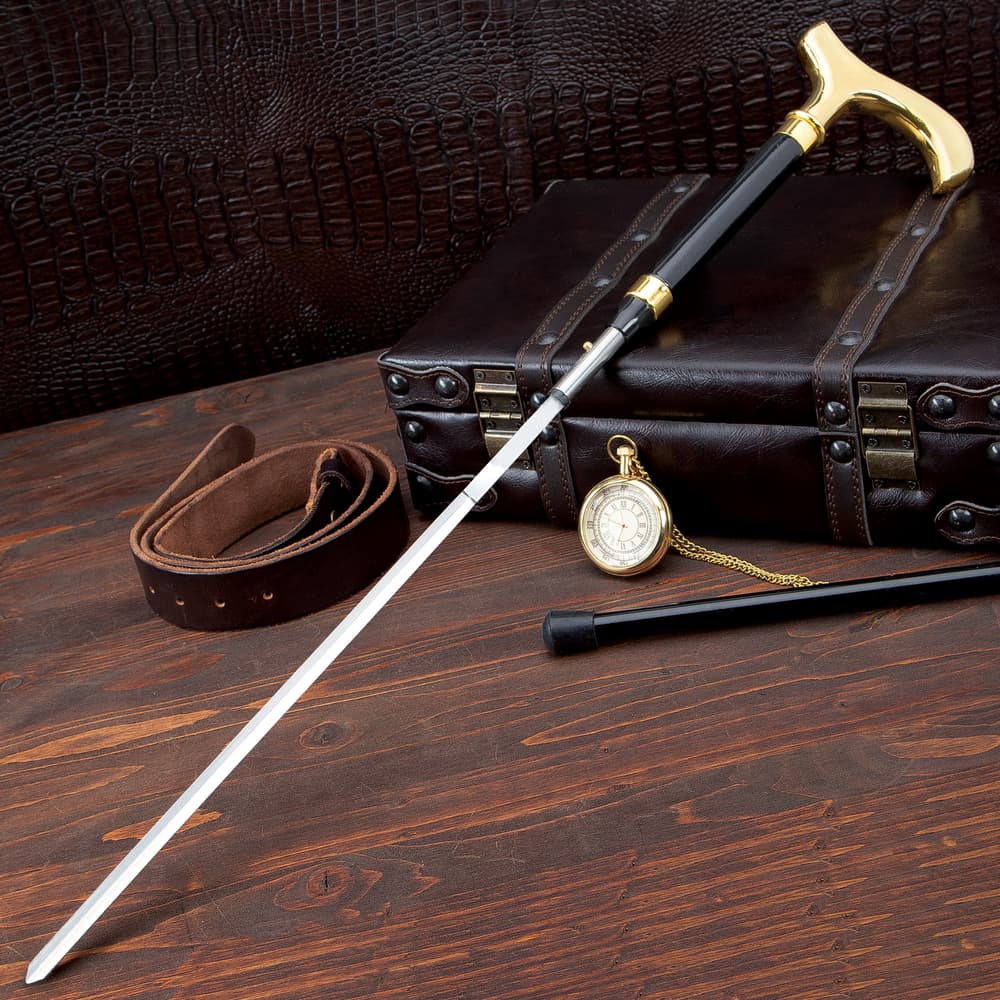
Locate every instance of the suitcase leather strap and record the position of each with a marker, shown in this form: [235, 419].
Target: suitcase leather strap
[833, 372]
[351, 525]
[534, 359]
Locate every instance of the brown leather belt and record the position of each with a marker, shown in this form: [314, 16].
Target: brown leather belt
[197, 573]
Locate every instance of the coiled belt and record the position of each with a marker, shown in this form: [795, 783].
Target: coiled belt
[223, 548]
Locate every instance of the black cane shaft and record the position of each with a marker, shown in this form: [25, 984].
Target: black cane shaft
[768, 167]
[577, 631]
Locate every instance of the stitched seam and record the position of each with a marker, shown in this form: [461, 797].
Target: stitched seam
[833, 342]
[965, 394]
[543, 327]
[899, 274]
[591, 296]
[831, 499]
[674, 200]
[586, 283]
[899, 278]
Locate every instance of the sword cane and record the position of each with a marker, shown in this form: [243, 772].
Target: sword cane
[840, 83]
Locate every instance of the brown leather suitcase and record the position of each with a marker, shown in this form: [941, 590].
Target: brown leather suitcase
[832, 372]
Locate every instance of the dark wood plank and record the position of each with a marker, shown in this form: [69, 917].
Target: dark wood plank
[805, 811]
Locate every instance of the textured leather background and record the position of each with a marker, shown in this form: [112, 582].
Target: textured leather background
[196, 192]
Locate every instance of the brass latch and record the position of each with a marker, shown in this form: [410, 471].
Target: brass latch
[888, 433]
[499, 407]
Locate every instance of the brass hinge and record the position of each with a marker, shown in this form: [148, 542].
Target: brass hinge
[499, 407]
[888, 433]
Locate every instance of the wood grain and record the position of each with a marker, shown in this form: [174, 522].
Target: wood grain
[799, 811]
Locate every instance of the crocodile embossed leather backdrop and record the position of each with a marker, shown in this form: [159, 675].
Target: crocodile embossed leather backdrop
[192, 193]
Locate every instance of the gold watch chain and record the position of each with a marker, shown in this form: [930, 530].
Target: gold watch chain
[631, 468]
[683, 546]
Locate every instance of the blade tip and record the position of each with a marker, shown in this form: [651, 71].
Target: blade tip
[42, 964]
[36, 973]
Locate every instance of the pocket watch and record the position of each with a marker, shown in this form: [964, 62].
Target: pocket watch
[626, 526]
[625, 523]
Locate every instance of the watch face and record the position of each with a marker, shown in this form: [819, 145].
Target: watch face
[624, 526]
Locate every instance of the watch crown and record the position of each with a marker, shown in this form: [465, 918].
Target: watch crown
[625, 454]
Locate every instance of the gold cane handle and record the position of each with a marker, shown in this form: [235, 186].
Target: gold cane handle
[842, 83]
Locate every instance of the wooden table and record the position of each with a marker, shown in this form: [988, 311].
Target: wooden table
[804, 811]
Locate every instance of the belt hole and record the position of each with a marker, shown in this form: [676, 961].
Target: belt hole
[179, 601]
[219, 603]
[267, 595]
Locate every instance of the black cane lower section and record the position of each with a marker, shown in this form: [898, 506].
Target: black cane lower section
[578, 631]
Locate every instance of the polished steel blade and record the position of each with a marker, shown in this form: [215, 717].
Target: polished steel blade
[306, 675]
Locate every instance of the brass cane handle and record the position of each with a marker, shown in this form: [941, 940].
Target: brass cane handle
[842, 83]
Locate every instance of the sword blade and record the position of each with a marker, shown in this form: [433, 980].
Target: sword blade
[306, 675]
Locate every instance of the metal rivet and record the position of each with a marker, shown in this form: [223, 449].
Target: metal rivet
[865, 388]
[993, 452]
[941, 405]
[835, 412]
[414, 430]
[423, 485]
[550, 434]
[267, 595]
[841, 451]
[220, 603]
[536, 399]
[446, 386]
[961, 519]
[993, 406]
[849, 339]
[641, 235]
[398, 384]
[885, 286]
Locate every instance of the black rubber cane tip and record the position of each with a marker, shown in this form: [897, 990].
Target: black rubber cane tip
[569, 632]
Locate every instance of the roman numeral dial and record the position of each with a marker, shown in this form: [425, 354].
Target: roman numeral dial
[625, 525]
